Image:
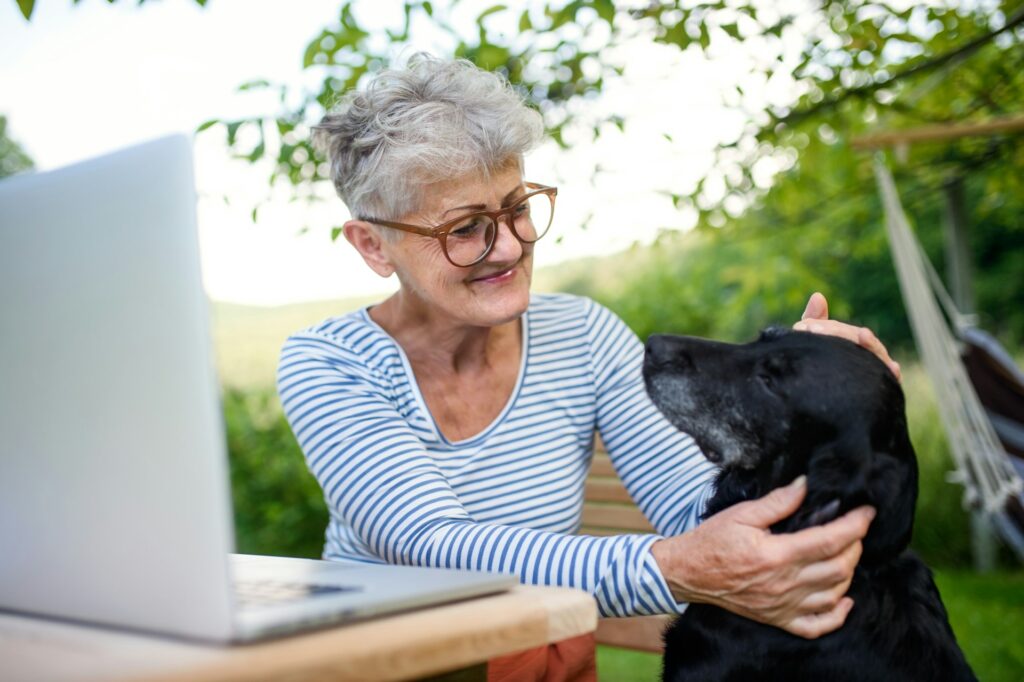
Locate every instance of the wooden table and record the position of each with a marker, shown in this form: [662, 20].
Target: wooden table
[399, 647]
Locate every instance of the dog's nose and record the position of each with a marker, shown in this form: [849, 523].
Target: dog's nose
[657, 348]
[664, 349]
[668, 350]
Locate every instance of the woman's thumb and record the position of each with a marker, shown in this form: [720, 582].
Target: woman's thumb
[776, 505]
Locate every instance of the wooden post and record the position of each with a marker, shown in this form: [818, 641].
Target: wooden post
[958, 271]
[958, 254]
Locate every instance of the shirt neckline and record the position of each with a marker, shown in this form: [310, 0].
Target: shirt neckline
[422, 403]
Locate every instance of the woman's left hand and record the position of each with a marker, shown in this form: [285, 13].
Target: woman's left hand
[815, 320]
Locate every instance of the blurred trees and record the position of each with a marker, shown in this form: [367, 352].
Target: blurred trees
[12, 158]
[27, 7]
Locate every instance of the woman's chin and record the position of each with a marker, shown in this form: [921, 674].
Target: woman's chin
[501, 299]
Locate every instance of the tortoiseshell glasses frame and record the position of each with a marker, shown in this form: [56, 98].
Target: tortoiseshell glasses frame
[483, 238]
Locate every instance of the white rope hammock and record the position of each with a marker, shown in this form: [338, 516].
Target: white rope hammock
[982, 465]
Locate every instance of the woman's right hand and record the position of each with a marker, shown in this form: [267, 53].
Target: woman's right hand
[794, 581]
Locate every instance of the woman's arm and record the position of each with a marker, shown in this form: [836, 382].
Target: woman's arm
[376, 475]
[664, 471]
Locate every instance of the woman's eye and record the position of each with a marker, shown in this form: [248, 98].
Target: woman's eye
[522, 209]
[467, 230]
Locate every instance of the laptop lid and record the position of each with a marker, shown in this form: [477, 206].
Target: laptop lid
[113, 485]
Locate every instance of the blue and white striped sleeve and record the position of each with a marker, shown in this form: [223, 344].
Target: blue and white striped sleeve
[378, 477]
[662, 468]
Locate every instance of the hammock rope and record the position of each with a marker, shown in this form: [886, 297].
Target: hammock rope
[983, 467]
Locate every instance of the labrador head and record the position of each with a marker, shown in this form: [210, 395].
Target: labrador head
[793, 403]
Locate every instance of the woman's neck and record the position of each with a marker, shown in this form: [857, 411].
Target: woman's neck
[430, 338]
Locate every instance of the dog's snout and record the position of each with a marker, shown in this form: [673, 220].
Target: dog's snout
[663, 349]
[656, 348]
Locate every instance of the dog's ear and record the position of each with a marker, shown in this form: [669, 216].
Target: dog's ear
[850, 472]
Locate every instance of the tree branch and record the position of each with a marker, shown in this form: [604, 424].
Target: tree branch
[964, 50]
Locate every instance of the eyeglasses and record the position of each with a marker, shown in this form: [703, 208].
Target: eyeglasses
[468, 239]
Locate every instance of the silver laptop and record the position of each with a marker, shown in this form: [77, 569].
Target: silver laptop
[114, 498]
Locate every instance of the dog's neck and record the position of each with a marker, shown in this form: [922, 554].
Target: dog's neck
[832, 490]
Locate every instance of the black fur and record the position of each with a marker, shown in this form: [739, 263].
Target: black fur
[787, 404]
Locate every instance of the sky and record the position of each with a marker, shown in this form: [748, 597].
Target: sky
[80, 81]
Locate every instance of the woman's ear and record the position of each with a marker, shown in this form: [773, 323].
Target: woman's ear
[367, 241]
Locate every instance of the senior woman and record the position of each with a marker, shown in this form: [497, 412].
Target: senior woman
[452, 424]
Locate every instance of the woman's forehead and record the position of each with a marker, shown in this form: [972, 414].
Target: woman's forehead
[471, 192]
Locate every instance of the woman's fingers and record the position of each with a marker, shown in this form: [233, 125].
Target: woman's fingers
[815, 625]
[826, 574]
[773, 507]
[867, 339]
[825, 599]
[817, 307]
[824, 542]
[862, 336]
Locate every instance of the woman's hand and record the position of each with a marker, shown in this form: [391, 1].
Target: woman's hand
[815, 320]
[794, 581]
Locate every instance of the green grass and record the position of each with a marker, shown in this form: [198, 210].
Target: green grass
[986, 611]
[248, 339]
[987, 614]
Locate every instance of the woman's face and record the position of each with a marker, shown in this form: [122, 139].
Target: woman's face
[492, 292]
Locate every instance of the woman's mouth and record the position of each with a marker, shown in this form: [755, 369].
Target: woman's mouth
[496, 277]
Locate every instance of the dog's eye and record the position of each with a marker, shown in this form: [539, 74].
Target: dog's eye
[768, 381]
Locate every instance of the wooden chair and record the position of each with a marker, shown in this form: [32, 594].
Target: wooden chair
[609, 510]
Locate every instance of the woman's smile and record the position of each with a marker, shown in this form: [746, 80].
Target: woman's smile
[500, 277]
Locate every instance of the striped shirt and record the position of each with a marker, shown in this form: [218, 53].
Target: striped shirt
[510, 498]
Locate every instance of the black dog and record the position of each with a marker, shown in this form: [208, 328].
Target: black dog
[793, 403]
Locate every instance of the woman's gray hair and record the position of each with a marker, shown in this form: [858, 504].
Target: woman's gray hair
[432, 120]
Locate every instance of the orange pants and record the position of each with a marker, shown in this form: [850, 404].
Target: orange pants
[571, 660]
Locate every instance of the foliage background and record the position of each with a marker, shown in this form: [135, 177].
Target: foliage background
[761, 243]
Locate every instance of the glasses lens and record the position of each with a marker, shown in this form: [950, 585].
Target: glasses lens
[467, 242]
[533, 217]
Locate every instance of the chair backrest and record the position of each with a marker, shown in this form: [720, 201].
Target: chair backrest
[607, 507]
[609, 510]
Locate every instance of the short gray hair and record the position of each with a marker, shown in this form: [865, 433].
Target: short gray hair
[432, 120]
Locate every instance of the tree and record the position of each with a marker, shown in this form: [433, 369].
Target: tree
[12, 158]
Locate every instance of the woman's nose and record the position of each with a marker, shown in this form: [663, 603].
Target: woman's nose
[506, 247]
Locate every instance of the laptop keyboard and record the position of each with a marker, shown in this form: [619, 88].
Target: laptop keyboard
[266, 592]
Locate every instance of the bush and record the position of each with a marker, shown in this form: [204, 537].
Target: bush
[279, 508]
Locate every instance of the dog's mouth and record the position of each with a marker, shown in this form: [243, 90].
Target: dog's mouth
[711, 453]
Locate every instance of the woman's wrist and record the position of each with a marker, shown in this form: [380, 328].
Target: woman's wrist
[671, 562]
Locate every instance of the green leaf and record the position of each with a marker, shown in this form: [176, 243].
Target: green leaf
[428, 8]
[207, 124]
[284, 127]
[233, 131]
[254, 211]
[605, 10]
[257, 151]
[525, 24]
[335, 231]
[489, 11]
[253, 85]
[312, 50]
[732, 30]
[26, 7]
